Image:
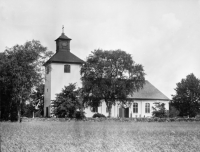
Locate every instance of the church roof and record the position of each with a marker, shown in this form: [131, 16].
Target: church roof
[63, 37]
[149, 92]
[64, 57]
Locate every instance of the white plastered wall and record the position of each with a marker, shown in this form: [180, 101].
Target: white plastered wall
[47, 92]
[141, 107]
[59, 79]
[115, 109]
[56, 79]
[102, 110]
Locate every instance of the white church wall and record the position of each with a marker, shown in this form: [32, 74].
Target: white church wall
[144, 113]
[115, 111]
[59, 79]
[140, 110]
[102, 109]
[88, 112]
[141, 107]
[166, 104]
[47, 92]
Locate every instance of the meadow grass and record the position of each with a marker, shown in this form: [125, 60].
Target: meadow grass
[100, 136]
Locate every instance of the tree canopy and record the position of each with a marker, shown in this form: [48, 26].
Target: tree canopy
[20, 68]
[110, 76]
[67, 102]
[187, 97]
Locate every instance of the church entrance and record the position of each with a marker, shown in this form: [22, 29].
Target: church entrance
[124, 112]
[47, 112]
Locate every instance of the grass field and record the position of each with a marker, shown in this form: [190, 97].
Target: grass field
[100, 136]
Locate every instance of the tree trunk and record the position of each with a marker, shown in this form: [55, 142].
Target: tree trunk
[19, 111]
[110, 113]
[109, 106]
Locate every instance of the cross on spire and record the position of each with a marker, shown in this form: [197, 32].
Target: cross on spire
[63, 29]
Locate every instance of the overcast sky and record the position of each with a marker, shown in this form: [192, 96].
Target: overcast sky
[162, 35]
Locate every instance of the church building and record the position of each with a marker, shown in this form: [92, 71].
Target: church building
[64, 68]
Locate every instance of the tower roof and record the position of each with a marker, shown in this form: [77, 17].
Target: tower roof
[64, 57]
[63, 37]
[149, 92]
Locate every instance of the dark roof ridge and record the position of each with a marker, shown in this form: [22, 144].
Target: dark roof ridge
[63, 36]
[64, 57]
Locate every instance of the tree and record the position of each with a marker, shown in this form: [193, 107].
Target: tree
[110, 76]
[6, 107]
[20, 70]
[173, 112]
[35, 104]
[159, 110]
[67, 102]
[187, 98]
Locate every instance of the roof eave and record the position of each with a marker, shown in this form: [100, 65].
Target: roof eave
[63, 39]
[48, 62]
[149, 99]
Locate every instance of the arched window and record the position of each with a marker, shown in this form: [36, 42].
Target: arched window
[147, 107]
[66, 68]
[135, 107]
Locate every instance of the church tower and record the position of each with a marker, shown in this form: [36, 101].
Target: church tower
[61, 69]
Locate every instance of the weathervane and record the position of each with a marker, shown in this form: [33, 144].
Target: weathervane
[63, 29]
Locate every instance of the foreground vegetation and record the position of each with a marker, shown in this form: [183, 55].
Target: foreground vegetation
[100, 136]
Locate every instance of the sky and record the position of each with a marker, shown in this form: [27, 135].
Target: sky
[162, 35]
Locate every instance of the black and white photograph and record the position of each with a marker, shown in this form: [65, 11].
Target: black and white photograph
[100, 76]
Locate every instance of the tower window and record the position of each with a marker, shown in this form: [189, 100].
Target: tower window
[66, 68]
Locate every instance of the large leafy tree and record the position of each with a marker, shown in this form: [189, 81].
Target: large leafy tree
[67, 102]
[7, 108]
[20, 68]
[187, 98]
[110, 76]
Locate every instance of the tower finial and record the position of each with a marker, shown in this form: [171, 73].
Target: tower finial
[63, 29]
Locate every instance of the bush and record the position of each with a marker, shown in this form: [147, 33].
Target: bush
[197, 116]
[80, 115]
[172, 119]
[39, 113]
[162, 120]
[159, 110]
[173, 112]
[98, 115]
[155, 119]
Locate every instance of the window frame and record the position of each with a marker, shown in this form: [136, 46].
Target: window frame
[67, 68]
[147, 107]
[94, 109]
[135, 107]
